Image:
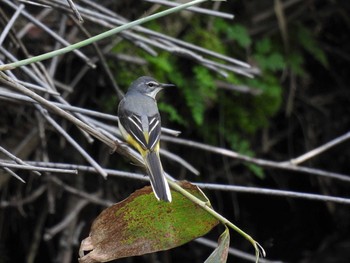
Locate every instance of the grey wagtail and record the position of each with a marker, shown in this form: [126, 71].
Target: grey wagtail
[140, 125]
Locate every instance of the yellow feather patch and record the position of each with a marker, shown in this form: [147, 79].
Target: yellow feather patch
[146, 136]
[135, 144]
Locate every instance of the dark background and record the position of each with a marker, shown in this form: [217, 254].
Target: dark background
[304, 103]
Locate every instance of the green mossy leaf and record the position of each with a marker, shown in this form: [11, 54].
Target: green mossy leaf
[140, 224]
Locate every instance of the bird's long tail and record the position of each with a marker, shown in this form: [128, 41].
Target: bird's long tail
[155, 170]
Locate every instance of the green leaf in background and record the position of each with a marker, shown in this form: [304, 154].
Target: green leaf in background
[272, 62]
[220, 254]
[240, 34]
[307, 41]
[263, 46]
[140, 224]
[173, 114]
[234, 31]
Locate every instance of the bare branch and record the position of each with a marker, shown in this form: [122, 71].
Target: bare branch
[319, 150]
[260, 162]
[75, 11]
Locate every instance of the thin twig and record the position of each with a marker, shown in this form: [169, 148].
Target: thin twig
[320, 149]
[50, 32]
[179, 160]
[195, 9]
[15, 158]
[34, 3]
[75, 11]
[10, 24]
[209, 186]
[260, 162]
[34, 168]
[12, 173]
[51, 232]
[90, 197]
[29, 199]
[65, 135]
[101, 36]
[273, 192]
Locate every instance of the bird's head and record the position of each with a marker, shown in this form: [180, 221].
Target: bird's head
[148, 86]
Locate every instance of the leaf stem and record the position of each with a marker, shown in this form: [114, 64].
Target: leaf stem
[204, 205]
[98, 37]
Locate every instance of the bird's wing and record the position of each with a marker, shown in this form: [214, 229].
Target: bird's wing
[154, 130]
[144, 129]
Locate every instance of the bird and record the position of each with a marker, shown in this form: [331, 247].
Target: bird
[140, 125]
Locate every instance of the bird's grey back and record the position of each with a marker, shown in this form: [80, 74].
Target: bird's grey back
[140, 104]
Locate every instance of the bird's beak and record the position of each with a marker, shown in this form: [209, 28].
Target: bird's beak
[163, 85]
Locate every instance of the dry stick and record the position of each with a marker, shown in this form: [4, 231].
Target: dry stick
[97, 18]
[34, 168]
[85, 68]
[97, 114]
[28, 71]
[260, 162]
[31, 198]
[280, 193]
[320, 149]
[102, 9]
[24, 30]
[25, 69]
[209, 186]
[273, 192]
[47, 85]
[118, 20]
[103, 62]
[195, 9]
[34, 3]
[179, 160]
[10, 24]
[61, 33]
[15, 158]
[60, 130]
[81, 117]
[75, 11]
[5, 79]
[88, 14]
[36, 87]
[18, 42]
[171, 48]
[12, 173]
[51, 232]
[92, 198]
[176, 50]
[49, 31]
[265, 14]
[98, 37]
[37, 237]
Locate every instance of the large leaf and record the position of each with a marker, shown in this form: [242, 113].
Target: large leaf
[140, 224]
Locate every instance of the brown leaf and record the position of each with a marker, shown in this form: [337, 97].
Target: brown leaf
[140, 224]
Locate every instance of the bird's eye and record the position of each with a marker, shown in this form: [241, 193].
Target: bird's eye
[151, 84]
